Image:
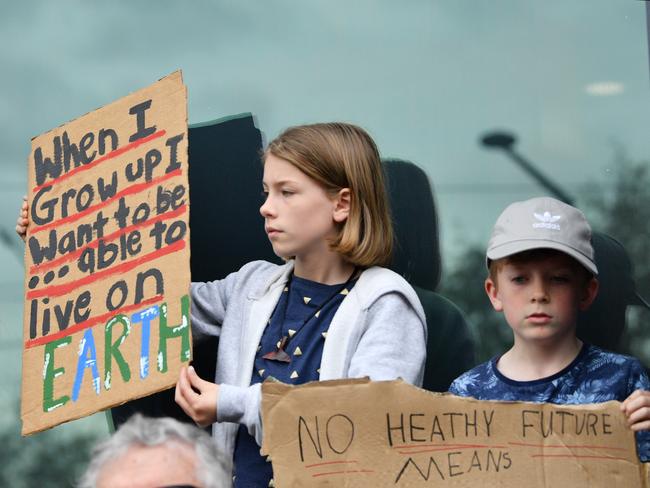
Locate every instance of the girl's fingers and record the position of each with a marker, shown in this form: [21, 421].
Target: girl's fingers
[184, 394]
[186, 388]
[21, 229]
[178, 397]
[22, 222]
[195, 380]
[190, 401]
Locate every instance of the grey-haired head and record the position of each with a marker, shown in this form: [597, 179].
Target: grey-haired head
[160, 449]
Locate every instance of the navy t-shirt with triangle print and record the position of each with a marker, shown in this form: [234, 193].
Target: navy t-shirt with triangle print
[303, 315]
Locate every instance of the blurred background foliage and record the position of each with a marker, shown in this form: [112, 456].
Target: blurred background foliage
[47, 459]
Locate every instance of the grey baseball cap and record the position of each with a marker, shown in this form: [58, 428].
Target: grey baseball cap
[542, 223]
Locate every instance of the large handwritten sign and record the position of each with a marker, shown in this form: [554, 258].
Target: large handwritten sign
[107, 257]
[380, 434]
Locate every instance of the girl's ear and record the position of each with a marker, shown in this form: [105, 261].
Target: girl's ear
[492, 293]
[589, 294]
[341, 205]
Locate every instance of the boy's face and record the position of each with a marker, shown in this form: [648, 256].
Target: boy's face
[540, 297]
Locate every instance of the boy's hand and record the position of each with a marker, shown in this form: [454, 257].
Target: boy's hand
[197, 397]
[636, 407]
[23, 221]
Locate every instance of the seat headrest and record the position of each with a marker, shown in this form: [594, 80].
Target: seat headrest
[417, 250]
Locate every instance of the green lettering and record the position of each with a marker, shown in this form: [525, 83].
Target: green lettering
[112, 349]
[50, 372]
[182, 331]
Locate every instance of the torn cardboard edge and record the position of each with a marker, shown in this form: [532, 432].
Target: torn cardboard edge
[389, 433]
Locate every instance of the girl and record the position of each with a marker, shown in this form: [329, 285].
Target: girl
[330, 312]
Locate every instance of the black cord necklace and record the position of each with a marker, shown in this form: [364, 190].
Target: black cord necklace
[279, 353]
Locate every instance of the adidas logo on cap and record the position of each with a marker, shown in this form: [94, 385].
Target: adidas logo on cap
[546, 221]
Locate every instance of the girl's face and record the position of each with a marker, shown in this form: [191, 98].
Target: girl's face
[299, 216]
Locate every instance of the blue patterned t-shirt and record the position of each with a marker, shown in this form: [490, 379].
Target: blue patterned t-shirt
[594, 376]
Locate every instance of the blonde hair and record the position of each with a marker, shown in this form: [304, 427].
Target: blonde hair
[337, 156]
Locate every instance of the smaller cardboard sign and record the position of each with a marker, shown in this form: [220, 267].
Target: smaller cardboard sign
[380, 434]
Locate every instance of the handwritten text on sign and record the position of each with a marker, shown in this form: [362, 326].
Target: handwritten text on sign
[107, 257]
[393, 434]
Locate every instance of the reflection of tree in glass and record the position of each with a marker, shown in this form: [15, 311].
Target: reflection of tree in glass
[622, 211]
[46, 460]
[464, 286]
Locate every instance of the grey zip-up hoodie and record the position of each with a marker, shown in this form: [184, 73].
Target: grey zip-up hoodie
[378, 331]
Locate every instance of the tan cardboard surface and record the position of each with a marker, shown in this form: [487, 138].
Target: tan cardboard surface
[107, 257]
[356, 433]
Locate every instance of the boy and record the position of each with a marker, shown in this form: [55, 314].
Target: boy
[541, 273]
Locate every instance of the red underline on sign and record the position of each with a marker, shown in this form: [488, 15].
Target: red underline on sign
[110, 237]
[566, 446]
[417, 446]
[110, 155]
[452, 447]
[576, 456]
[58, 290]
[90, 322]
[331, 462]
[127, 191]
[358, 471]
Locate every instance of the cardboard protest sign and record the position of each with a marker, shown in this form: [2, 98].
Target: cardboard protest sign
[362, 433]
[106, 315]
